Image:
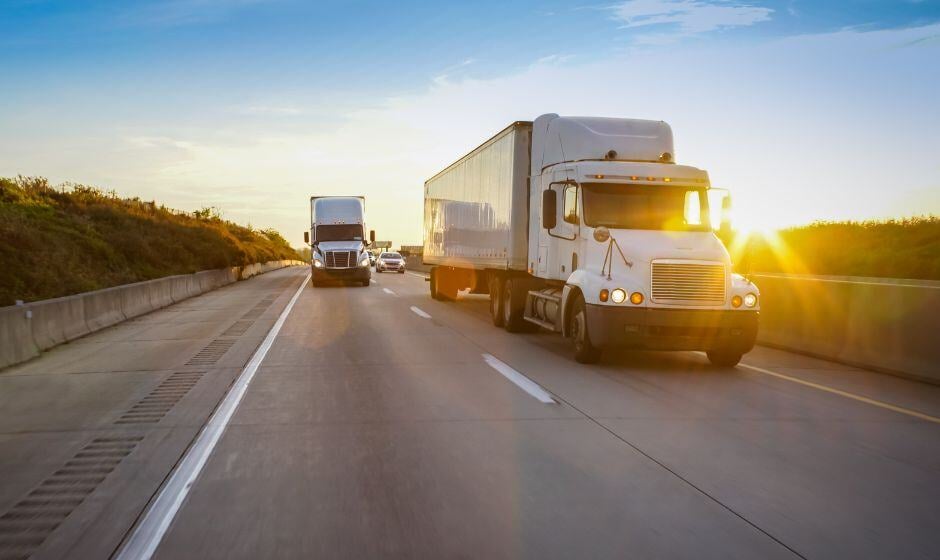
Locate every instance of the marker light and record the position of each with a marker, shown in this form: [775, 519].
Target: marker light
[618, 295]
[604, 295]
[598, 176]
[736, 301]
[750, 300]
[633, 177]
[636, 298]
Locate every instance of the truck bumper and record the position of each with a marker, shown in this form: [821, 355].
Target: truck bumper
[357, 274]
[672, 329]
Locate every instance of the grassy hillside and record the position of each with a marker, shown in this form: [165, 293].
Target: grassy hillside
[62, 240]
[908, 248]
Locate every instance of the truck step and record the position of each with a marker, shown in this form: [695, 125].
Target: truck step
[541, 323]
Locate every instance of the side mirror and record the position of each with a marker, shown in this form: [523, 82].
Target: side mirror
[724, 230]
[307, 237]
[371, 236]
[549, 209]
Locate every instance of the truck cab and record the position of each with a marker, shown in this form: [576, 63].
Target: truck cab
[625, 244]
[339, 247]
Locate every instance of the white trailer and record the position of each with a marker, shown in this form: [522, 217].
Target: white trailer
[337, 238]
[585, 226]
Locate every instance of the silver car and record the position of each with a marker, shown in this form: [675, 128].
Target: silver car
[390, 261]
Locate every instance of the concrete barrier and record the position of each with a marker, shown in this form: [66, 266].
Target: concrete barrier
[58, 320]
[25, 330]
[881, 324]
[16, 336]
[103, 308]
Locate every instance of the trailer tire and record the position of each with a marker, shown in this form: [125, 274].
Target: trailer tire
[584, 350]
[496, 300]
[723, 358]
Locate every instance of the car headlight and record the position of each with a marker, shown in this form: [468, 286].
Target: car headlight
[750, 300]
[317, 264]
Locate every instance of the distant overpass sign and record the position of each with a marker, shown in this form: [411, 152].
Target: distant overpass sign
[382, 244]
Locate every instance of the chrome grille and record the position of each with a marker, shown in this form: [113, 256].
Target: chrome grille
[340, 259]
[703, 284]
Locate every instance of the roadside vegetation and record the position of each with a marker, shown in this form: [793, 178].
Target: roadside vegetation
[905, 248]
[70, 238]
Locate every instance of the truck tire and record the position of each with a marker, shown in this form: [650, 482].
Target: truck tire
[513, 296]
[723, 357]
[432, 283]
[584, 350]
[496, 301]
[443, 284]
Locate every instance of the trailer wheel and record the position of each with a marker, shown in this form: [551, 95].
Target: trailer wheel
[584, 350]
[496, 300]
[723, 357]
[443, 284]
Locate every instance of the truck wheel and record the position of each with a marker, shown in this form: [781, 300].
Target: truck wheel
[496, 301]
[514, 295]
[584, 351]
[443, 286]
[723, 357]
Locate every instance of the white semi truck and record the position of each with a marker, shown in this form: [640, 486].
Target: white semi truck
[337, 239]
[587, 227]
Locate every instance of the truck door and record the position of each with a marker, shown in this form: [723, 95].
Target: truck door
[557, 245]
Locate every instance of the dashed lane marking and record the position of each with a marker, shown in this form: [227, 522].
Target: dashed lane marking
[519, 379]
[389, 292]
[420, 313]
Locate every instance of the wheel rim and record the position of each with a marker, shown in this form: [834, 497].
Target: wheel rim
[578, 330]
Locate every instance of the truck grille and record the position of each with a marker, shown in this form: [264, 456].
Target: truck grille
[340, 259]
[702, 284]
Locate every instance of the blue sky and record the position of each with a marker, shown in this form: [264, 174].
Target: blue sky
[252, 105]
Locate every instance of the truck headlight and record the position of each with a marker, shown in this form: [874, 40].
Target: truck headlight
[317, 264]
[750, 300]
[364, 262]
[618, 295]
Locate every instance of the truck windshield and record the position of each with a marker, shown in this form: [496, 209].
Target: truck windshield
[339, 232]
[645, 207]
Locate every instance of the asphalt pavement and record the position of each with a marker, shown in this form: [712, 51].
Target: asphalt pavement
[378, 423]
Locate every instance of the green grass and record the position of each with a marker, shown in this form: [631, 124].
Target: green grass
[66, 239]
[905, 248]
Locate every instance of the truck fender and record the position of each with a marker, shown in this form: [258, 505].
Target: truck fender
[575, 284]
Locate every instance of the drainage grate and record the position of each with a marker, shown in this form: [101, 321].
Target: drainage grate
[238, 328]
[211, 353]
[27, 524]
[152, 408]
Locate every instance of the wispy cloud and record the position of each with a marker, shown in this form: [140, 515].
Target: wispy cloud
[267, 110]
[681, 18]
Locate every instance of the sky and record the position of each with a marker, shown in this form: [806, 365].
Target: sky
[804, 110]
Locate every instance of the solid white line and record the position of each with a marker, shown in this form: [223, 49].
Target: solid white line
[846, 394]
[519, 379]
[420, 313]
[389, 292]
[373, 280]
[153, 525]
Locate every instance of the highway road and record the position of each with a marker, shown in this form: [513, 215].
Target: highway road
[378, 423]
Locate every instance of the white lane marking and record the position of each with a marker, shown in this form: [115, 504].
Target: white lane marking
[372, 280]
[846, 394]
[519, 379]
[389, 292]
[153, 525]
[420, 313]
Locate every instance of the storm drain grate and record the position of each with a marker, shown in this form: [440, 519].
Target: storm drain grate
[27, 524]
[152, 408]
[238, 328]
[211, 353]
